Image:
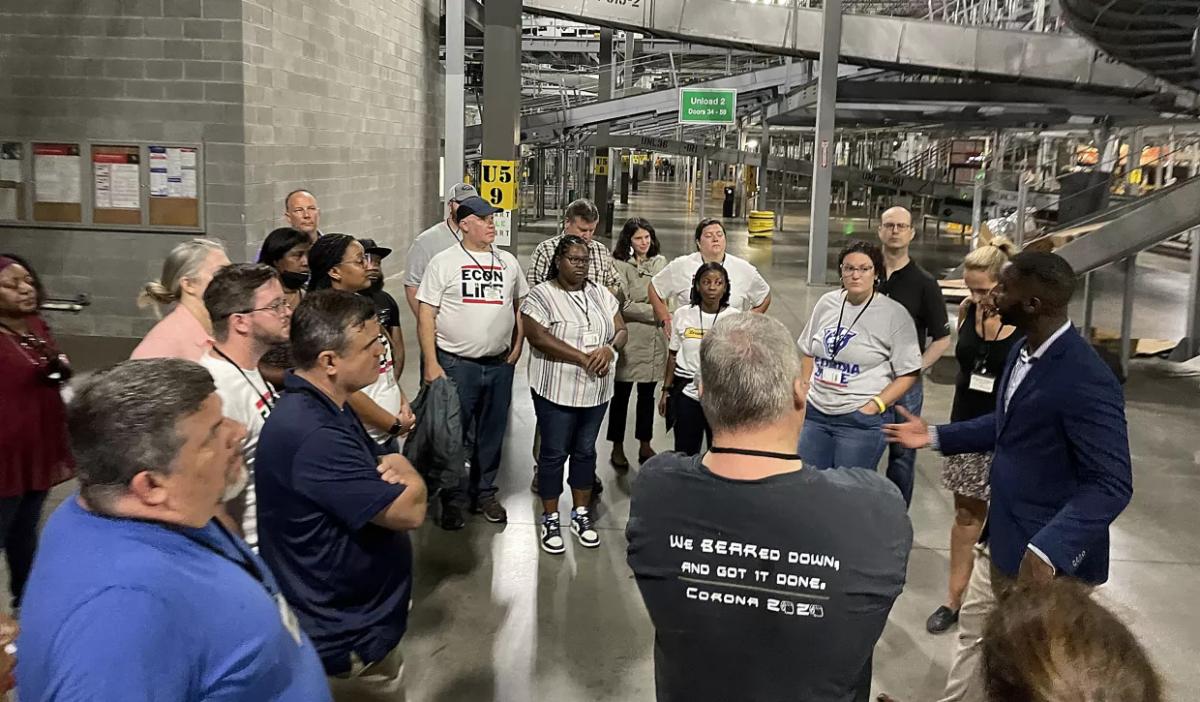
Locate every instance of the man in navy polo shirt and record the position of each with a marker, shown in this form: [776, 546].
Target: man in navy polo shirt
[332, 528]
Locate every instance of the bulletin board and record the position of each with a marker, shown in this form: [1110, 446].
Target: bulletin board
[57, 182]
[12, 181]
[130, 185]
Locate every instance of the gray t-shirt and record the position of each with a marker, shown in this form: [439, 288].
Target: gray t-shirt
[428, 244]
[770, 590]
[875, 344]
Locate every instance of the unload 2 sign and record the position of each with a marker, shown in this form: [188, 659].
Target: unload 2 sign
[707, 106]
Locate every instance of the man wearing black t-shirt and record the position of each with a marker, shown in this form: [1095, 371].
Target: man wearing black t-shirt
[385, 304]
[911, 286]
[765, 579]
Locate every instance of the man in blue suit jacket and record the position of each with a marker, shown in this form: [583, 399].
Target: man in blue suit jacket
[1061, 469]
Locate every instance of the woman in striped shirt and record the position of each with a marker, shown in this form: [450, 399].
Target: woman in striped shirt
[575, 330]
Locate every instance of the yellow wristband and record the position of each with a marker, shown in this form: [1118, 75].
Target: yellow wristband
[879, 403]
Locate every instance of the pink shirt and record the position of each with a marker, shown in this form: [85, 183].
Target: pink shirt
[178, 335]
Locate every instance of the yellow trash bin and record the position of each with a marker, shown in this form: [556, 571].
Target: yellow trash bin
[762, 223]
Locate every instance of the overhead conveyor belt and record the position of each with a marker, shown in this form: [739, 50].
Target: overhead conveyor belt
[874, 40]
[855, 176]
[544, 124]
[1135, 227]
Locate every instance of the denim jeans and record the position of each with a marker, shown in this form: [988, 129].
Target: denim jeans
[484, 396]
[902, 461]
[853, 440]
[567, 433]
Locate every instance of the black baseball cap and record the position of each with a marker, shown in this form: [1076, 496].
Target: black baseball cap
[474, 206]
[370, 247]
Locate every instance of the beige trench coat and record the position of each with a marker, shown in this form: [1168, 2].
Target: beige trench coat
[644, 358]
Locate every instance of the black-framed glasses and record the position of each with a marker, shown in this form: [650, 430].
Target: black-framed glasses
[578, 260]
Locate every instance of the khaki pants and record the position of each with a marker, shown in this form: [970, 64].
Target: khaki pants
[381, 681]
[964, 683]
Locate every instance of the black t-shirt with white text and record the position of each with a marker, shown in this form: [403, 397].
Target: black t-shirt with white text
[769, 590]
[914, 288]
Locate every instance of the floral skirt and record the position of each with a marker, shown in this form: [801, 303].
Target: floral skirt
[968, 474]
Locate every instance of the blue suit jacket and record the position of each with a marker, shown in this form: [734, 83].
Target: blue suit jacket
[1061, 470]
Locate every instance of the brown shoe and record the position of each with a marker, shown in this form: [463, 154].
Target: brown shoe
[618, 459]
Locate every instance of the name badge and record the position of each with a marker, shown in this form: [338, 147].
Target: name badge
[493, 292]
[591, 340]
[982, 382]
[288, 618]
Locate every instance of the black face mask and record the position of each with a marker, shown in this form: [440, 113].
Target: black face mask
[293, 281]
[376, 285]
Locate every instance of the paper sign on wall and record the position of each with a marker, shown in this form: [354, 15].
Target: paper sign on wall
[10, 162]
[116, 180]
[173, 172]
[56, 173]
[503, 222]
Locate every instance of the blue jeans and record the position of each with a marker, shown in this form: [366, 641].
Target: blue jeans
[853, 440]
[902, 462]
[484, 397]
[567, 432]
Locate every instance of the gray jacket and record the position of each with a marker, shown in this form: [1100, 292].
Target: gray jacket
[435, 447]
[644, 358]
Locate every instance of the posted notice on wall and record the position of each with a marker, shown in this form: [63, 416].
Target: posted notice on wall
[503, 221]
[10, 162]
[173, 172]
[116, 180]
[56, 173]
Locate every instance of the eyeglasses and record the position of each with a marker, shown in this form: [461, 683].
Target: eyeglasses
[361, 261]
[895, 226]
[850, 271]
[311, 209]
[277, 307]
[577, 260]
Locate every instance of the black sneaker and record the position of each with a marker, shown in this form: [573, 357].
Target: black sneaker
[451, 518]
[597, 486]
[583, 529]
[941, 620]
[552, 540]
[491, 509]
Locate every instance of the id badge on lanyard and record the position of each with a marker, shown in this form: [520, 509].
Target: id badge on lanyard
[982, 382]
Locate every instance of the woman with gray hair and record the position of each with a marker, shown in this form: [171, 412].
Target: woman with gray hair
[187, 331]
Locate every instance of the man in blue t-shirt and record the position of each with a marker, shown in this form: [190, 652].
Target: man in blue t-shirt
[331, 527]
[138, 593]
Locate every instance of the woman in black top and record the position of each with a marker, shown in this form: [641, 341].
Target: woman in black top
[983, 347]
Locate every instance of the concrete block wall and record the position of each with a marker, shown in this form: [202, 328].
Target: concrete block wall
[341, 97]
[123, 70]
[344, 99]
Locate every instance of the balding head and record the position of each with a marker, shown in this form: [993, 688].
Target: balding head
[896, 230]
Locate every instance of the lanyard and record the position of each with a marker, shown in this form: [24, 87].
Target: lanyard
[30, 343]
[700, 311]
[982, 354]
[586, 306]
[246, 562]
[267, 396]
[839, 336]
[474, 260]
[753, 452]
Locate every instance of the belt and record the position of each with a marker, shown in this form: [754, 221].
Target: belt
[501, 357]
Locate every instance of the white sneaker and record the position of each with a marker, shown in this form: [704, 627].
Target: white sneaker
[581, 526]
[552, 540]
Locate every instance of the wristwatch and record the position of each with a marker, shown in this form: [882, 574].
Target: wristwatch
[397, 427]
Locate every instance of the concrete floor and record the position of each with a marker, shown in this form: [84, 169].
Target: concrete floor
[496, 619]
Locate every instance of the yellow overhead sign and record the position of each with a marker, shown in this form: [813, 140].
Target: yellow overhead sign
[601, 166]
[499, 183]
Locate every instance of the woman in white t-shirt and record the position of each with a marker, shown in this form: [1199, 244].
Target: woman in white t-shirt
[673, 284]
[709, 299]
[860, 356]
[575, 330]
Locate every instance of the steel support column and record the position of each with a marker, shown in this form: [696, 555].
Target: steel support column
[1133, 161]
[452, 155]
[764, 152]
[603, 92]
[502, 88]
[823, 158]
[1191, 343]
[1129, 268]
